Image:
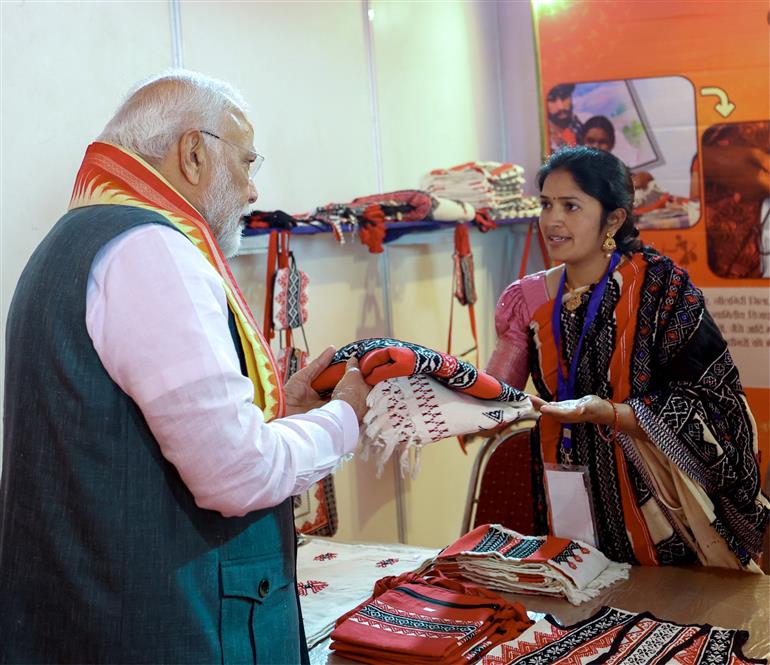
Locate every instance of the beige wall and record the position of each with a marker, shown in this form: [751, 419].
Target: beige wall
[304, 69]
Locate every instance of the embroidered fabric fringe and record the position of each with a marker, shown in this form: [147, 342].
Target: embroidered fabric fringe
[406, 413]
[505, 560]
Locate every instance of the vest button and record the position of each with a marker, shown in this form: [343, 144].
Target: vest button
[264, 588]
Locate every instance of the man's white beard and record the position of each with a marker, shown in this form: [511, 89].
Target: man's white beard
[222, 209]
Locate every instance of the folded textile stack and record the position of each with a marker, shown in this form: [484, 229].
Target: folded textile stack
[381, 358]
[617, 637]
[416, 620]
[491, 185]
[333, 577]
[422, 395]
[505, 560]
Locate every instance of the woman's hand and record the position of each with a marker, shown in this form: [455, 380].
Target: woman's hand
[587, 409]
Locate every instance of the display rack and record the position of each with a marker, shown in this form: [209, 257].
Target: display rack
[397, 233]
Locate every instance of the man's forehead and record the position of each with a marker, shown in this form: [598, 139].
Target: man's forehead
[239, 123]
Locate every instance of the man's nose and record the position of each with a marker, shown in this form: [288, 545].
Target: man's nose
[253, 195]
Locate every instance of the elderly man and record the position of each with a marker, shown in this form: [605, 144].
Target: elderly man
[150, 449]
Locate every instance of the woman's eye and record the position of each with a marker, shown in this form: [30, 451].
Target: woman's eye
[545, 205]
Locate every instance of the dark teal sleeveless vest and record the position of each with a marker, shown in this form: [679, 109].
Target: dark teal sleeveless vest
[104, 556]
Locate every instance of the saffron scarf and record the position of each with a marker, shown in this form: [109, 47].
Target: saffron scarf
[110, 175]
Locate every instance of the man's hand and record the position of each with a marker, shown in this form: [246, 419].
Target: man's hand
[300, 397]
[353, 389]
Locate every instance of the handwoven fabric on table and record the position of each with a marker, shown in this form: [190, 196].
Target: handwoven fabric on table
[617, 637]
[333, 577]
[505, 560]
[415, 620]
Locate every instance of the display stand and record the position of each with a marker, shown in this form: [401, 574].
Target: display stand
[517, 238]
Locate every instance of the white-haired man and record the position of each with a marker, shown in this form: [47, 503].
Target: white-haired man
[150, 450]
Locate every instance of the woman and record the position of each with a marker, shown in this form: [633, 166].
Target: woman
[598, 132]
[649, 399]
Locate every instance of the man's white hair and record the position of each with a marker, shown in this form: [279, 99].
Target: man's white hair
[161, 108]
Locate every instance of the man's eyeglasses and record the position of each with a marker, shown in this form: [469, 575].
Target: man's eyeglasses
[254, 159]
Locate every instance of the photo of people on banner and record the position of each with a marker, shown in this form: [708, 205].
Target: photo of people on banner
[736, 196]
[650, 125]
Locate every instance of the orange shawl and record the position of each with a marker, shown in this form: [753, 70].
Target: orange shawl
[631, 274]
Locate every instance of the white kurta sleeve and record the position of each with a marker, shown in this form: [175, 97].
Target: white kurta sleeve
[157, 315]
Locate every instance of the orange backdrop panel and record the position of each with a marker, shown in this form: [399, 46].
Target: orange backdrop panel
[713, 44]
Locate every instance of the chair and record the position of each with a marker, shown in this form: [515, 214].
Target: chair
[500, 487]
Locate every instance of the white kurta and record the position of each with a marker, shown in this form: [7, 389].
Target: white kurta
[158, 318]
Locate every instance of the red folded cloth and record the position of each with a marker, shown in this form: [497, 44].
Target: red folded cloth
[382, 358]
[416, 620]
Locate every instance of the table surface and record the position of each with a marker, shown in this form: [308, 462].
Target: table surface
[725, 598]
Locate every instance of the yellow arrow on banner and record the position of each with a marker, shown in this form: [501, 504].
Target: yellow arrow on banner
[725, 107]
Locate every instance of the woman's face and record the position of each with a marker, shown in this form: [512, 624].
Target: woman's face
[596, 137]
[570, 220]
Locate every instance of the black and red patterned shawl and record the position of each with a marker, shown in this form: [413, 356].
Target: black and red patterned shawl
[654, 346]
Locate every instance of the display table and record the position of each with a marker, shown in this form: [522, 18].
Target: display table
[724, 598]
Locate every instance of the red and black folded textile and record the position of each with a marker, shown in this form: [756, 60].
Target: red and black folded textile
[414, 620]
[381, 358]
[272, 219]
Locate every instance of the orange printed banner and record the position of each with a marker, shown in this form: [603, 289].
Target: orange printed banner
[680, 91]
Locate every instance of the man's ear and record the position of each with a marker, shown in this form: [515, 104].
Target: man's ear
[192, 156]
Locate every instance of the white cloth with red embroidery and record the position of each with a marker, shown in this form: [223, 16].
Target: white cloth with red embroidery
[504, 560]
[407, 412]
[332, 578]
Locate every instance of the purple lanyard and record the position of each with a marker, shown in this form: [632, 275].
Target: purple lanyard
[566, 386]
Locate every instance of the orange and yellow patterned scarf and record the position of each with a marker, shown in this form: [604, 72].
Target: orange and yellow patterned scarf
[110, 175]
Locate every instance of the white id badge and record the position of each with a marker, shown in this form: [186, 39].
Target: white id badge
[569, 502]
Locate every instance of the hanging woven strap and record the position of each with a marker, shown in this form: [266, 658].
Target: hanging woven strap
[463, 286]
[272, 259]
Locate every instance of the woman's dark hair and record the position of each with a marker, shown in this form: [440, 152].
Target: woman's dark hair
[604, 177]
[598, 122]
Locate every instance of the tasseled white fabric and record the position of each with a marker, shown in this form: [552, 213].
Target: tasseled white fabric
[407, 412]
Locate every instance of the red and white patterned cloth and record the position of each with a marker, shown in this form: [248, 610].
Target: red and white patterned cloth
[332, 578]
[415, 620]
[408, 412]
[617, 637]
[505, 560]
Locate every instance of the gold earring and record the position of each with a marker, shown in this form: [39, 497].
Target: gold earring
[609, 245]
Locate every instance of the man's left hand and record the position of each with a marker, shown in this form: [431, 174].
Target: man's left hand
[300, 397]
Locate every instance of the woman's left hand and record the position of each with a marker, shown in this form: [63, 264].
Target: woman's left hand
[587, 409]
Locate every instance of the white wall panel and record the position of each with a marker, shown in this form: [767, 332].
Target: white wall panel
[65, 69]
[437, 86]
[301, 67]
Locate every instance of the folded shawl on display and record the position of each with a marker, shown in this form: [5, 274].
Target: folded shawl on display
[415, 620]
[381, 358]
[408, 412]
[616, 637]
[421, 396]
[505, 560]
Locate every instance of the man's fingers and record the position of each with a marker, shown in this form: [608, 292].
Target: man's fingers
[319, 363]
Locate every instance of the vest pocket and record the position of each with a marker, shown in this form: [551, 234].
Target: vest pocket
[259, 620]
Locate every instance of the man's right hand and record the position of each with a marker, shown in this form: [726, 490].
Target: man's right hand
[353, 389]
